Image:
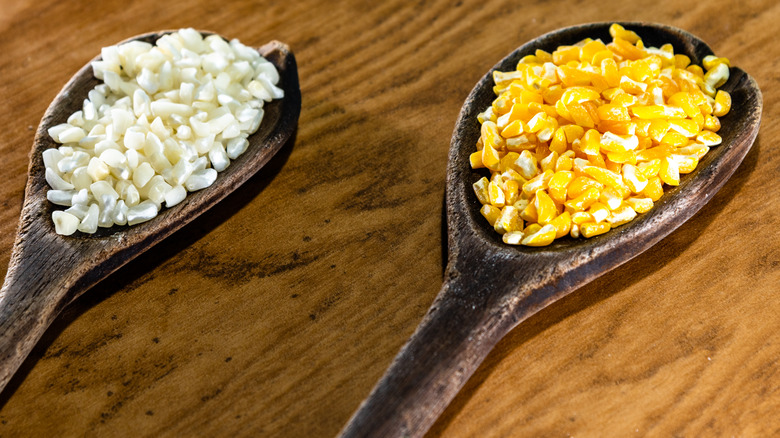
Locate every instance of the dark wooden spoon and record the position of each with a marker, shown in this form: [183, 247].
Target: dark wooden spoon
[490, 287]
[47, 271]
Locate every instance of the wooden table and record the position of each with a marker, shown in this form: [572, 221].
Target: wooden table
[276, 313]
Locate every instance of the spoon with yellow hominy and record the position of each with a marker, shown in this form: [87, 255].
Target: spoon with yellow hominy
[581, 140]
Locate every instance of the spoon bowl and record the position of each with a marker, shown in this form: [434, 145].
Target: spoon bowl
[47, 271]
[490, 287]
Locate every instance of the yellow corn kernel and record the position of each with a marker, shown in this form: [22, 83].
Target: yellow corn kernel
[685, 101]
[590, 49]
[543, 56]
[674, 139]
[491, 213]
[511, 191]
[526, 165]
[610, 198]
[562, 224]
[717, 76]
[508, 221]
[476, 160]
[696, 70]
[564, 163]
[490, 158]
[709, 138]
[631, 86]
[611, 165]
[601, 55]
[658, 128]
[640, 205]
[625, 49]
[558, 184]
[545, 207]
[573, 132]
[580, 203]
[578, 94]
[618, 143]
[521, 142]
[590, 229]
[505, 78]
[558, 142]
[623, 99]
[608, 178]
[548, 162]
[563, 112]
[580, 217]
[513, 129]
[618, 31]
[681, 61]
[613, 112]
[589, 144]
[710, 61]
[543, 237]
[622, 157]
[722, 104]
[642, 127]
[529, 213]
[565, 54]
[528, 96]
[649, 168]
[512, 237]
[656, 153]
[669, 173]
[579, 114]
[685, 127]
[510, 174]
[481, 190]
[581, 184]
[597, 160]
[599, 211]
[508, 161]
[622, 215]
[572, 76]
[633, 178]
[521, 204]
[658, 112]
[496, 195]
[712, 123]
[686, 163]
[543, 126]
[539, 182]
[696, 149]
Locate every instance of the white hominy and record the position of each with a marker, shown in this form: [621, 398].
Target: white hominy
[167, 118]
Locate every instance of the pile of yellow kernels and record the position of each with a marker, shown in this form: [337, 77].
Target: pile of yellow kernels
[582, 139]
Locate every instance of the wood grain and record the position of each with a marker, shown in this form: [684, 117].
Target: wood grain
[276, 313]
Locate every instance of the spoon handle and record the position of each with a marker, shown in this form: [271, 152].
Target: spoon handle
[43, 276]
[455, 336]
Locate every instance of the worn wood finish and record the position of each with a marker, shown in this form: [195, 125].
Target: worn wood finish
[48, 271]
[491, 287]
[277, 311]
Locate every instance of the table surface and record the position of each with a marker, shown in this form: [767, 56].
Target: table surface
[275, 313]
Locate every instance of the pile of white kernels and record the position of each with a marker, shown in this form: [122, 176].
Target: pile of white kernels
[165, 120]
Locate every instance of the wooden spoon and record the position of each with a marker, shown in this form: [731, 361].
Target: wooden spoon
[490, 287]
[47, 271]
